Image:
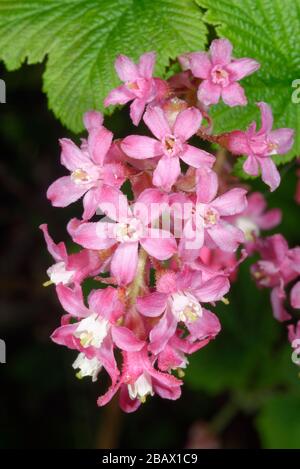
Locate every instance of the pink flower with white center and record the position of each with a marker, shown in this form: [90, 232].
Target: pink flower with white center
[96, 331]
[131, 230]
[260, 145]
[139, 379]
[178, 300]
[279, 265]
[170, 145]
[294, 338]
[219, 73]
[255, 217]
[208, 221]
[70, 268]
[139, 86]
[89, 168]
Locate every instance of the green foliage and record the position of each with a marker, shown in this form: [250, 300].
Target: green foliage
[279, 423]
[81, 39]
[268, 31]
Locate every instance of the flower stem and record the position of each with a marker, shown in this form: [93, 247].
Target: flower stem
[138, 282]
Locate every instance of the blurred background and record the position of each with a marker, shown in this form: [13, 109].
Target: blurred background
[241, 391]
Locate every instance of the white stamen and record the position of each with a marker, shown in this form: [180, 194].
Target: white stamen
[92, 330]
[87, 366]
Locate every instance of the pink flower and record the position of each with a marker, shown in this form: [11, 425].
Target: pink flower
[132, 228]
[260, 145]
[139, 379]
[294, 332]
[278, 266]
[255, 217]
[72, 268]
[90, 170]
[177, 300]
[207, 223]
[219, 73]
[139, 86]
[96, 330]
[169, 146]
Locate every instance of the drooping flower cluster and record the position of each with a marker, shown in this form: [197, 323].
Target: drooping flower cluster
[163, 259]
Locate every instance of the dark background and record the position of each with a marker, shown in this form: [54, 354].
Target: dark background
[243, 385]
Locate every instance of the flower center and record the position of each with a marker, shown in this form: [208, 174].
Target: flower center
[59, 274]
[171, 145]
[220, 76]
[87, 366]
[131, 231]
[185, 307]
[91, 331]
[272, 148]
[79, 176]
[211, 217]
[141, 388]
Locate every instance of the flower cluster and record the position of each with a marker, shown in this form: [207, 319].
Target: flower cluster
[165, 254]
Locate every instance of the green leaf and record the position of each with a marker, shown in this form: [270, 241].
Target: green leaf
[268, 31]
[81, 39]
[279, 422]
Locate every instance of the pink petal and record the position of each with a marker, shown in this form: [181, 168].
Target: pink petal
[206, 326]
[241, 68]
[207, 185]
[277, 301]
[114, 204]
[220, 51]
[137, 108]
[187, 123]
[57, 251]
[152, 305]
[156, 121]
[226, 236]
[159, 244]
[64, 192]
[266, 117]
[251, 166]
[119, 95]
[64, 335]
[96, 235]
[146, 64]
[71, 156]
[125, 339]
[104, 302]
[124, 262]
[284, 138]
[92, 119]
[209, 93]
[269, 173]
[213, 289]
[71, 300]
[270, 219]
[91, 202]
[99, 142]
[126, 68]
[231, 202]
[162, 332]
[234, 95]
[166, 172]
[238, 143]
[295, 296]
[149, 205]
[140, 147]
[256, 203]
[196, 157]
[200, 64]
[127, 404]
